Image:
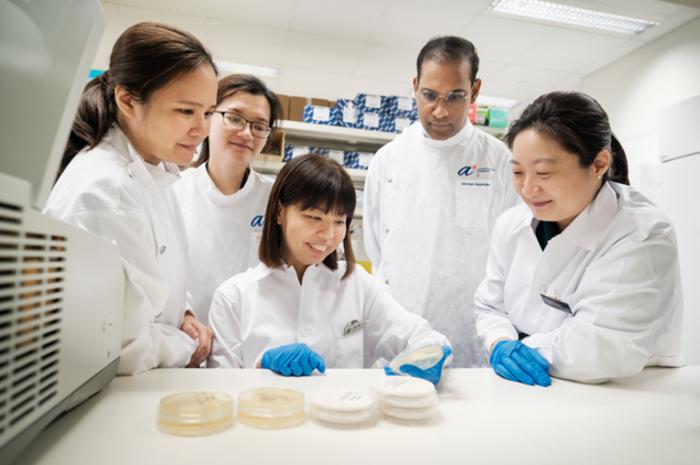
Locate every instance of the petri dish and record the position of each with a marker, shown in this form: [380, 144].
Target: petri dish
[271, 407]
[414, 414]
[195, 413]
[422, 357]
[412, 402]
[343, 406]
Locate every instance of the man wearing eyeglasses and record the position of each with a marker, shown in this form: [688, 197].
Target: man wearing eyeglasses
[432, 196]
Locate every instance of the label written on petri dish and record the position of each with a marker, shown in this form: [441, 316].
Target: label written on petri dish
[343, 406]
[271, 407]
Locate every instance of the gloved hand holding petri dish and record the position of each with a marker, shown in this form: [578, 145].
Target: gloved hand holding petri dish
[426, 362]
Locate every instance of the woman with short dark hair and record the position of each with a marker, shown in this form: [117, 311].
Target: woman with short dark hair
[222, 198]
[303, 308]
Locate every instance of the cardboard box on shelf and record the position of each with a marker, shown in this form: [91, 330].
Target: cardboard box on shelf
[296, 108]
[275, 144]
[284, 102]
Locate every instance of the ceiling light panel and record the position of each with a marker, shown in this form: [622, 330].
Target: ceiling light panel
[573, 16]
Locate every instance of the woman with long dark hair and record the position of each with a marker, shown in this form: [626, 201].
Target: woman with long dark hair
[135, 124]
[582, 280]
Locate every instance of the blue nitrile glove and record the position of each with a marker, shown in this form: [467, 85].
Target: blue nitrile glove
[293, 360]
[433, 373]
[515, 361]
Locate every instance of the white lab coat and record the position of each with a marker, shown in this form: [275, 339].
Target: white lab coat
[264, 308]
[615, 266]
[429, 210]
[112, 192]
[223, 231]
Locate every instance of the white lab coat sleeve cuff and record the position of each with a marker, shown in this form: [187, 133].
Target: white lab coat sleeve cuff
[505, 331]
[224, 321]
[542, 342]
[160, 345]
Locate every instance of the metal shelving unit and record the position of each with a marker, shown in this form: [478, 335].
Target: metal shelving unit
[336, 138]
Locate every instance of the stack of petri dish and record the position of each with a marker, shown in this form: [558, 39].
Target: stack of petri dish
[271, 407]
[407, 398]
[195, 413]
[344, 406]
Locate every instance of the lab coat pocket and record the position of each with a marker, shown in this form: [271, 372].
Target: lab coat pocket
[348, 342]
[472, 200]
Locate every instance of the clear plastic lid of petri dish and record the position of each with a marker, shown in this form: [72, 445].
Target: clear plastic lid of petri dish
[195, 413]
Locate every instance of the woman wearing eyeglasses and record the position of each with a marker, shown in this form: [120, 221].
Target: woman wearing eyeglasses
[222, 199]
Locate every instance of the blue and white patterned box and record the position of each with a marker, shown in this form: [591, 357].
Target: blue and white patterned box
[400, 123]
[293, 151]
[337, 155]
[369, 103]
[401, 106]
[386, 123]
[368, 120]
[351, 160]
[364, 159]
[344, 114]
[319, 151]
[317, 114]
[288, 152]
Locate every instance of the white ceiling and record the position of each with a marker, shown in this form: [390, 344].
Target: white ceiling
[335, 48]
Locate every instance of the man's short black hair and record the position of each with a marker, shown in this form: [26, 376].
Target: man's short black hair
[449, 49]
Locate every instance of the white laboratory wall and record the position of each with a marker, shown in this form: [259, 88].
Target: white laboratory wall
[634, 89]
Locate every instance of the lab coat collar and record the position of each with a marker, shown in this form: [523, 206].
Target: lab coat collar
[463, 134]
[588, 227]
[164, 174]
[262, 270]
[219, 198]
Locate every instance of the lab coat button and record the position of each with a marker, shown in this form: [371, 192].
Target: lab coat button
[386, 230]
[386, 281]
[161, 251]
[390, 180]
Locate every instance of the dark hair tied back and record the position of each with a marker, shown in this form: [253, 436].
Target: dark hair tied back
[145, 58]
[578, 124]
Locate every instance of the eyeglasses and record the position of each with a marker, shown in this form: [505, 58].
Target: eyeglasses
[452, 99]
[235, 121]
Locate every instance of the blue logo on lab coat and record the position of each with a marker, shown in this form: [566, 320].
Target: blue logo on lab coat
[257, 221]
[468, 170]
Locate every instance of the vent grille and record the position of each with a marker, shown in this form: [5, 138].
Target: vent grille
[32, 273]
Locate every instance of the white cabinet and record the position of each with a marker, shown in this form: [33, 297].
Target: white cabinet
[679, 150]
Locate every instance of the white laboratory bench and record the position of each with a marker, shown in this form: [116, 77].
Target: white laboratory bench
[652, 418]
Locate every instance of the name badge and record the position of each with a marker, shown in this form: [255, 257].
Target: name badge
[558, 304]
[354, 326]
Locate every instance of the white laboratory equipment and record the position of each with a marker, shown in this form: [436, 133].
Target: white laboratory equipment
[61, 289]
[679, 191]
